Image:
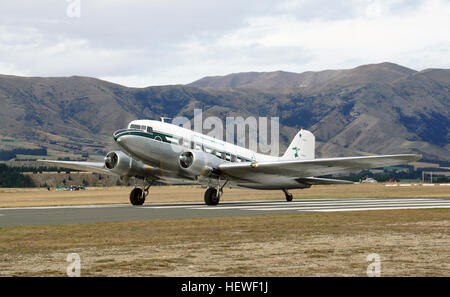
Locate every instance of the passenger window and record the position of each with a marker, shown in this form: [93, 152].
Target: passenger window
[149, 129]
[135, 127]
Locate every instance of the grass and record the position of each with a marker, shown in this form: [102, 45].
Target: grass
[409, 242]
[112, 195]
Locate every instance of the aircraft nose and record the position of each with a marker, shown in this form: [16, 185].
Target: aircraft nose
[125, 139]
[118, 133]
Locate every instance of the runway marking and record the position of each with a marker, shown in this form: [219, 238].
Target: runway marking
[304, 204]
[223, 205]
[66, 207]
[267, 205]
[447, 205]
[377, 208]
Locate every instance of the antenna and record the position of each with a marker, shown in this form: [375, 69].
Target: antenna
[164, 118]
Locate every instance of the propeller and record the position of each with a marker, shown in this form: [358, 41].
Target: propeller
[186, 159]
[111, 160]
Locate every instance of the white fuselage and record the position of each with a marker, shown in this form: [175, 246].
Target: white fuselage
[160, 144]
[196, 140]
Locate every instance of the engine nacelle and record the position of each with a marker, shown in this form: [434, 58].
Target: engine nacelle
[123, 165]
[198, 163]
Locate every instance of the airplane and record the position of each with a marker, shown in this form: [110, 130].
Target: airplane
[155, 151]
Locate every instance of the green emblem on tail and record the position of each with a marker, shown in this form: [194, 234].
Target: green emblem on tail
[296, 149]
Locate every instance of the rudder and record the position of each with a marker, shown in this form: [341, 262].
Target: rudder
[301, 147]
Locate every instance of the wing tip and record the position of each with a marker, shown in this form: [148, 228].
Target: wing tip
[415, 157]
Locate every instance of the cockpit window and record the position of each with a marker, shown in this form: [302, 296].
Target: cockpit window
[142, 128]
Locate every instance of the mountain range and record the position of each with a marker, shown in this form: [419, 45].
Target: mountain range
[371, 109]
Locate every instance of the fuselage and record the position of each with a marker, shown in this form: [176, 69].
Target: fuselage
[160, 144]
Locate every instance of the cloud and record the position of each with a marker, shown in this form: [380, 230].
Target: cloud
[142, 43]
[418, 39]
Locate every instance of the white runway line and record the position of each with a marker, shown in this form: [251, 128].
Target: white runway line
[167, 207]
[259, 204]
[66, 207]
[401, 205]
[293, 205]
[378, 208]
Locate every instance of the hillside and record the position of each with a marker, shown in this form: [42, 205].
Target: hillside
[379, 108]
[292, 82]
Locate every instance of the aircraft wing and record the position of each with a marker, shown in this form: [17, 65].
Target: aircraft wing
[263, 172]
[98, 167]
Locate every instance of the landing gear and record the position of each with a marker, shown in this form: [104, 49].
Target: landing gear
[288, 195]
[138, 195]
[212, 196]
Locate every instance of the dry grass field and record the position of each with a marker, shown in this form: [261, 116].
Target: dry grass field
[112, 195]
[409, 242]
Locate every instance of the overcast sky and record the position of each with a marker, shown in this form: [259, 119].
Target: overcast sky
[141, 43]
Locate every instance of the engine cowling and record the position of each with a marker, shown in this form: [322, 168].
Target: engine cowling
[123, 165]
[198, 163]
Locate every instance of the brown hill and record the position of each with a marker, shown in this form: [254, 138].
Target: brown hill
[379, 108]
[288, 81]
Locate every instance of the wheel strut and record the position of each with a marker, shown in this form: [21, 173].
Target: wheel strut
[288, 195]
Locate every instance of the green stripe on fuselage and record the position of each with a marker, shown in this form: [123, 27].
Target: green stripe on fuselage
[154, 135]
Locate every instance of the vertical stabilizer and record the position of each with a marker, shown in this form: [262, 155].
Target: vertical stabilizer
[302, 147]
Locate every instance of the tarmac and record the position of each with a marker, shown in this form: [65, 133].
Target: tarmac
[167, 211]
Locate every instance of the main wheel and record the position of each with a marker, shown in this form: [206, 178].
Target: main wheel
[211, 197]
[137, 196]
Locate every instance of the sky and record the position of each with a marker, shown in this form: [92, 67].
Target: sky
[140, 43]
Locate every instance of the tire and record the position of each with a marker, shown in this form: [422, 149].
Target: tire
[137, 196]
[211, 197]
[289, 197]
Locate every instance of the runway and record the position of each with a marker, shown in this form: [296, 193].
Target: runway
[126, 212]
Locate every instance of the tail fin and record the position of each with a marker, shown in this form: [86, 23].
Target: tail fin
[301, 147]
